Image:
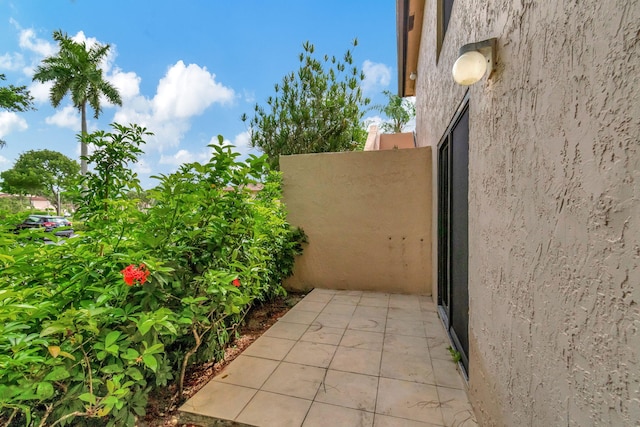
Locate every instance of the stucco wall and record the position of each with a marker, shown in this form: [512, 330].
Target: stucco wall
[554, 206]
[367, 216]
[394, 141]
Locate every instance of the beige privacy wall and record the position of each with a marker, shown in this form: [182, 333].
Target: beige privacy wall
[554, 206]
[367, 216]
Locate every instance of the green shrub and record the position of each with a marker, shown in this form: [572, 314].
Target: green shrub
[89, 327]
[12, 205]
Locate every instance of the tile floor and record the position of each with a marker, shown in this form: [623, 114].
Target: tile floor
[341, 358]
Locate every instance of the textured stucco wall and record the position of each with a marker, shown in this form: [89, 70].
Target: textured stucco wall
[367, 218]
[554, 206]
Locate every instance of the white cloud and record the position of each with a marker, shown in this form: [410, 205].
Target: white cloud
[249, 96]
[80, 37]
[30, 42]
[11, 122]
[184, 156]
[141, 167]
[3, 160]
[33, 47]
[127, 83]
[11, 61]
[377, 76]
[166, 133]
[242, 141]
[40, 91]
[186, 91]
[68, 117]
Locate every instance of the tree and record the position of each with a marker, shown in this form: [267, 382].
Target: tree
[316, 109]
[398, 110]
[14, 99]
[12, 205]
[41, 172]
[76, 70]
[112, 177]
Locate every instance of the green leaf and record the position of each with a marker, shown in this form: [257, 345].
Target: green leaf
[169, 326]
[130, 354]
[150, 361]
[145, 326]
[44, 390]
[52, 330]
[111, 338]
[134, 373]
[156, 348]
[185, 321]
[113, 349]
[58, 373]
[88, 397]
[140, 410]
[112, 369]
[110, 401]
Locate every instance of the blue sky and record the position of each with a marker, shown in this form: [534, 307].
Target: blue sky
[187, 70]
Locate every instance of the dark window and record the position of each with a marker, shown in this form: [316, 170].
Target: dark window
[447, 5]
[445, 8]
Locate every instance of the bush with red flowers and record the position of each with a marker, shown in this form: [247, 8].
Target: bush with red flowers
[89, 327]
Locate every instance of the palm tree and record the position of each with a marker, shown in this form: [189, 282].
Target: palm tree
[76, 70]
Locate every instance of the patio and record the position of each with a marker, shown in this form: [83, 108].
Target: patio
[341, 358]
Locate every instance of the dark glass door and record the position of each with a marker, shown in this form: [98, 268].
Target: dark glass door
[453, 231]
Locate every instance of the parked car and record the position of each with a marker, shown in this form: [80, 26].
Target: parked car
[49, 222]
[58, 225]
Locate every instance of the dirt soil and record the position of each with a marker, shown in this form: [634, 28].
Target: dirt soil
[163, 405]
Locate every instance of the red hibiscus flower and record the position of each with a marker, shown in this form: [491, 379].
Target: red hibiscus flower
[135, 274]
[236, 282]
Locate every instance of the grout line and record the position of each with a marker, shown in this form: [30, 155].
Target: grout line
[384, 339]
[323, 382]
[326, 370]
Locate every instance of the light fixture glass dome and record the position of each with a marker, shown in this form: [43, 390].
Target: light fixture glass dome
[469, 68]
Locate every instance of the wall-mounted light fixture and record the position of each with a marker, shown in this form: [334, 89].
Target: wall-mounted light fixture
[474, 61]
[413, 76]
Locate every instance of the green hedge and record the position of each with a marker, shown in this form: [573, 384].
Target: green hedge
[90, 326]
